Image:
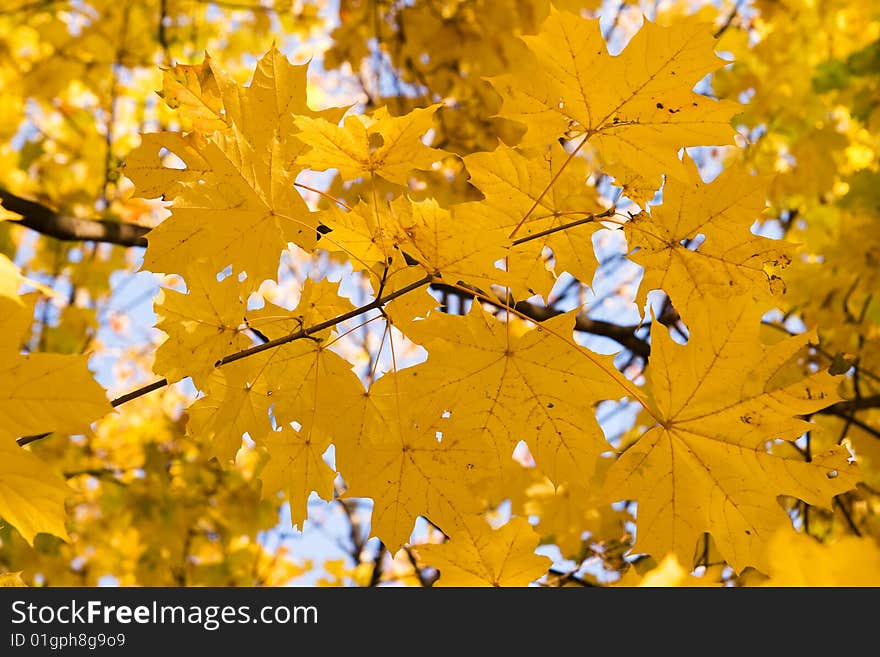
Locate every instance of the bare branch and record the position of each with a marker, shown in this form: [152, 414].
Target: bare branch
[729, 20]
[377, 303]
[47, 221]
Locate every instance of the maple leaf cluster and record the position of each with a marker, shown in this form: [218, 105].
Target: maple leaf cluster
[501, 401]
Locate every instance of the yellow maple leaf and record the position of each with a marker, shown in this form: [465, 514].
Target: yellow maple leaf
[40, 392]
[277, 93]
[798, 560]
[450, 245]
[211, 100]
[707, 466]
[16, 311]
[550, 191]
[194, 91]
[477, 555]
[234, 201]
[48, 392]
[31, 495]
[392, 455]
[319, 302]
[232, 406]
[10, 301]
[202, 325]
[500, 387]
[566, 512]
[457, 245]
[667, 573]
[379, 144]
[212, 320]
[634, 107]
[234, 204]
[296, 467]
[726, 260]
[300, 382]
[367, 234]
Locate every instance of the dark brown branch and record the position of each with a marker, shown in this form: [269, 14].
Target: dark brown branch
[47, 221]
[376, 576]
[838, 502]
[729, 20]
[27, 440]
[425, 581]
[623, 335]
[559, 578]
[134, 394]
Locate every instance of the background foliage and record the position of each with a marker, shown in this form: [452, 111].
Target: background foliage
[609, 272]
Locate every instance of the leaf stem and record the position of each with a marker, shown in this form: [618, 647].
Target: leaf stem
[550, 185]
[329, 197]
[585, 220]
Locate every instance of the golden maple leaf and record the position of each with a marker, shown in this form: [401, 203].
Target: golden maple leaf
[501, 383]
[551, 191]
[194, 90]
[380, 144]
[31, 496]
[202, 325]
[234, 201]
[233, 204]
[388, 450]
[11, 579]
[697, 245]
[296, 467]
[456, 245]
[209, 99]
[634, 107]
[478, 555]
[707, 465]
[301, 381]
[212, 320]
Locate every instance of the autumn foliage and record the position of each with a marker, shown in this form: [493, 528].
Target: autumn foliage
[472, 279]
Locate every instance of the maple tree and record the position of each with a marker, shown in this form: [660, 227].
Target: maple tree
[493, 292]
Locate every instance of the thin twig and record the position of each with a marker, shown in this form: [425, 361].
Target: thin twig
[586, 220]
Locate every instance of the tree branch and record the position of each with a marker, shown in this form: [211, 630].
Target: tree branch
[624, 335]
[729, 20]
[853, 405]
[47, 221]
[377, 303]
[851, 419]
[590, 218]
[559, 578]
